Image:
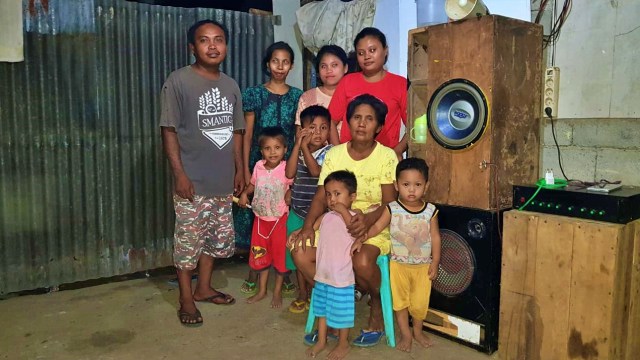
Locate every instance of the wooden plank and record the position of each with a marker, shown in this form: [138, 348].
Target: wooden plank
[633, 325]
[553, 282]
[520, 322]
[598, 258]
[519, 252]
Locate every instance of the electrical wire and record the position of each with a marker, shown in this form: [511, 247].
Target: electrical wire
[557, 22]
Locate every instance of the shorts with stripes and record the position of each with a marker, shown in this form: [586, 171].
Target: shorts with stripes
[335, 304]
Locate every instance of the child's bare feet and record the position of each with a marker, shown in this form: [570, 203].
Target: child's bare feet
[339, 352]
[316, 349]
[422, 339]
[405, 343]
[276, 300]
[257, 297]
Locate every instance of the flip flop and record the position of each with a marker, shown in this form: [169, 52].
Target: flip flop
[297, 306]
[211, 299]
[368, 338]
[248, 288]
[312, 339]
[289, 289]
[185, 317]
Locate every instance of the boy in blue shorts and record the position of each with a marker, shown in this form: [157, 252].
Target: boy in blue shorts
[333, 301]
[304, 165]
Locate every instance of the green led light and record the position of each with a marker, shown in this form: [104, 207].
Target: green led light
[558, 206]
[601, 212]
[583, 209]
[570, 208]
[549, 205]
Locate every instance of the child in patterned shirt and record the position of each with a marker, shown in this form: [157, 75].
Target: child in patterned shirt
[268, 236]
[415, 249]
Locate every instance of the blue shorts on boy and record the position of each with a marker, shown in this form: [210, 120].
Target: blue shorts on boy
[410, 258]
[335, 304]
[335, 281]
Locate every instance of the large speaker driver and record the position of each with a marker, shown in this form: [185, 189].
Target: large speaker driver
[458, 114]
[457, 264]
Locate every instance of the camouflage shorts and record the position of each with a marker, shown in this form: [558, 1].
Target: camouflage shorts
[202, 226]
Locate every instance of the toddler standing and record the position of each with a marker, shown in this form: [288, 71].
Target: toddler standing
[333, 302]
[415, 249]
[268, 235]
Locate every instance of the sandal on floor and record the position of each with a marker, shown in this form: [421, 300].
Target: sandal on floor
[190, 320]
[312, 339]
[368, 338]
[226, 299]
[297, 306]
[248, 287]
[289, 289]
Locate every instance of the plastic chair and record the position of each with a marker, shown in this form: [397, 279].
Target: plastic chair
[385, 297]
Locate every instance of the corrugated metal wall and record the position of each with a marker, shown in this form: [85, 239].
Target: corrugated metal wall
[84, 186]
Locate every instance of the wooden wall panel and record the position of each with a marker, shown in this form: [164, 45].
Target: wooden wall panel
[584, 303]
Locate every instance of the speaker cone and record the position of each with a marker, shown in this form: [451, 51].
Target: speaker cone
[457, 264]
[457, 114]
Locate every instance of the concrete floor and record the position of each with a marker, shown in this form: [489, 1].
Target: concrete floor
[137, 319]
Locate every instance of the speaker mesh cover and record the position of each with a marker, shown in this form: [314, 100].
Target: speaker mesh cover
[457, 264]
[457, 114]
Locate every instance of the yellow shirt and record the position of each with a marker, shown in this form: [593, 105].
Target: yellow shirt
[377, 169]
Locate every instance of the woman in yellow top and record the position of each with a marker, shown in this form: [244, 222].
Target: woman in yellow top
[374, 166]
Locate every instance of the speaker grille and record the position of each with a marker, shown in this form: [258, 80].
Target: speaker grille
[457, 264]
[457, 114]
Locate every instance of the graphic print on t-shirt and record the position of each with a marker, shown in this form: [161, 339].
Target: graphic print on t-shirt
[215, 118]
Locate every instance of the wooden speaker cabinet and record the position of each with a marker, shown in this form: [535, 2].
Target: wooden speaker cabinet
[569, 288]
[475, 153]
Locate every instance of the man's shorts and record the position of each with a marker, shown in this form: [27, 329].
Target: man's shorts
[202, 226]
[335, 304]
[268, 244]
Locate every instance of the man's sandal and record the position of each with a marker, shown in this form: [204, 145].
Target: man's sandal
[190, 320]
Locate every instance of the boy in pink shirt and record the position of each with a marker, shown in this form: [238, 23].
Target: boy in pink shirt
[333, 301]
[269, 233]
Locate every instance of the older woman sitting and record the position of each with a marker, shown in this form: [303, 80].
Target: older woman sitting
[374, 166]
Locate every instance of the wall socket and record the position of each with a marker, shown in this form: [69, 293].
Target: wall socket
[550, 92]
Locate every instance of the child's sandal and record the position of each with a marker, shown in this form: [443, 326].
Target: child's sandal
[248, 287]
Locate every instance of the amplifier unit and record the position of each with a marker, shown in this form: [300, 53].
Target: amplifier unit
[619, 206]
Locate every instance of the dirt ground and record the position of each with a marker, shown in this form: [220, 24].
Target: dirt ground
[136, 319]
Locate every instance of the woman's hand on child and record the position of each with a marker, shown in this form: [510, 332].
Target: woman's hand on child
[301, 238]
[358, 227]
[357, 245]
[433, 270]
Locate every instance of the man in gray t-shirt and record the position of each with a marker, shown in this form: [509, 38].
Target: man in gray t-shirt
[201, 120]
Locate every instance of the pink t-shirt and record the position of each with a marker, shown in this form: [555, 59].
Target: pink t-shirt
[311, 97]
[270, 187]
[392, 90]
[333, 256]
